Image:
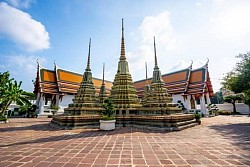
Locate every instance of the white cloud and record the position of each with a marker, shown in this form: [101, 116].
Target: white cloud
[198, 4]
[19, 26]
[160, 27]
[24, 64]
[232, 22]
[20, 3]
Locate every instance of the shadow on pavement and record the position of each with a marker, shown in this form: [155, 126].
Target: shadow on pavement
[238, 134]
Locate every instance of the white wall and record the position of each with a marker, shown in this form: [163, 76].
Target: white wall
[66, 100]
[186, 102]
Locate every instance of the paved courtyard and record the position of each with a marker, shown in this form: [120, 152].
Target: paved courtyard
[218, 141]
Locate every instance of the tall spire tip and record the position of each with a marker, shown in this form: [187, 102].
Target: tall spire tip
[156, 63]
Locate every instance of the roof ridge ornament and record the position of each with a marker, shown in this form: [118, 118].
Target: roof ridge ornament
[54, 64]
[191, 65]
[207, 61]
[37, 62]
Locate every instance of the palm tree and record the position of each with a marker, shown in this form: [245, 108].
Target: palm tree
[12, 93]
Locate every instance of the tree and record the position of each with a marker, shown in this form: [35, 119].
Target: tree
[4, 80]
[238, 80]
[217, 98]
[12, 92]
[232, 99]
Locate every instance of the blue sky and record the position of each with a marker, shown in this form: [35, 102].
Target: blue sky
[59, 31]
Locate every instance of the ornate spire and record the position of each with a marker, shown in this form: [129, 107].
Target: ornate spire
[103, 74]
[146, 73]
[122, 57]
[87, 76]
[157, 73]
[88, 63]
[156, 63]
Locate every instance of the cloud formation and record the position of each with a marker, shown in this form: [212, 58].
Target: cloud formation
[19, 27]
[20, 3]
[160, 27]
[25, 64]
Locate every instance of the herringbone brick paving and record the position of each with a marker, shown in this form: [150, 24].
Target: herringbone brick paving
[218, 141]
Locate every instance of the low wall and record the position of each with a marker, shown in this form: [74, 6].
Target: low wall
[240, 107]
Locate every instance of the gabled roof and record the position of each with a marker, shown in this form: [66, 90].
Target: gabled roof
[46, 81]
[177, 82]
[59, 81]
[186, 81]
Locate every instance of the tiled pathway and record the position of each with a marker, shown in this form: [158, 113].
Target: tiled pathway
[219, 141]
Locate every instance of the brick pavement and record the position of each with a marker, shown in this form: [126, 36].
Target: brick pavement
[218, 141]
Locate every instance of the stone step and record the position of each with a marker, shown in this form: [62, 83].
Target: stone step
[185, 122]
[187, 126]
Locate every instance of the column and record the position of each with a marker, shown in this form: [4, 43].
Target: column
[203, 105]
[208, 99]
[188, 104]
[41, 106]
[195, 102]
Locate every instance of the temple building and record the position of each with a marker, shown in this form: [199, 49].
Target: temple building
[60, 87]
[188, 86]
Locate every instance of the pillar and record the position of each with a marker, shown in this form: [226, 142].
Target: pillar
[40, 104]
[208, 99]
[188, 104]
[203, 105]
[195, 102]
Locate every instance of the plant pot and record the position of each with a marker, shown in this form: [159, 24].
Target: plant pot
[107, 124]
[198, 121]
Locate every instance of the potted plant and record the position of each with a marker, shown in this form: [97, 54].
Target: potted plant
[54, 109]
[197, 116]
[107, 121]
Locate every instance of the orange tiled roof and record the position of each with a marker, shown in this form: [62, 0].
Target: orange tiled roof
[185, 81]
[62, 81]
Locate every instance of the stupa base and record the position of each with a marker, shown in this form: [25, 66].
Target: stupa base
[166, 122]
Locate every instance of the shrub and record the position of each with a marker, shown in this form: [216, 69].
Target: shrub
[197, 116]
[2, 118]
[224, 112]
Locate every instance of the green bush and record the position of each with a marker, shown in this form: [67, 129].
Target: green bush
[197, 116]
[107, 114]
[224, 112]
[2, 118]
[107, 118]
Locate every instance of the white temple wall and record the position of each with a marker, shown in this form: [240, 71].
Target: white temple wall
[185, 102]
[66, 100]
